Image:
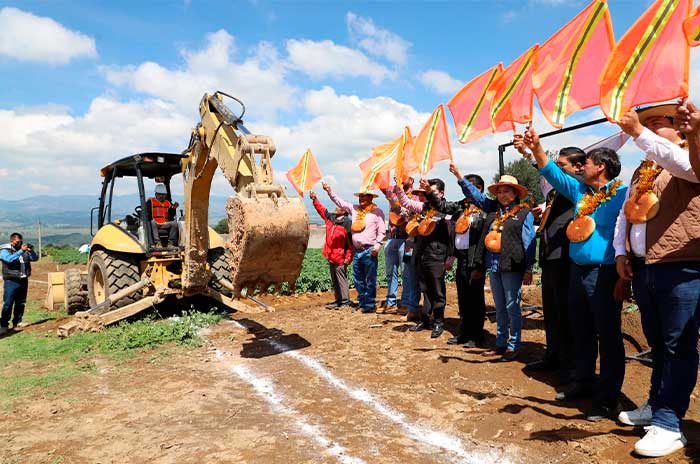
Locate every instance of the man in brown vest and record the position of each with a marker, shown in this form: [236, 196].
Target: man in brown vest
[657, 247]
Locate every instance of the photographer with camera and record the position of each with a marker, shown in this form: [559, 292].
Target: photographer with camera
[16, 260]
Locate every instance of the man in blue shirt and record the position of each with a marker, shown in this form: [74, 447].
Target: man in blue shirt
[594, 312]
[16, 269]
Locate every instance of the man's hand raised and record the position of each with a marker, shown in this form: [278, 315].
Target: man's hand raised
[688, 118]
[532, 141]
[630, 125]
[519, 145]
[424, 185]
[312, 195]
[455, 170]
[326, 187]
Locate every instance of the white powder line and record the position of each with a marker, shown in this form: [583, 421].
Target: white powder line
[419, 433]
[265, 388]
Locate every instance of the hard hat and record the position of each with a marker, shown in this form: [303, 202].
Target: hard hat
[160, 188]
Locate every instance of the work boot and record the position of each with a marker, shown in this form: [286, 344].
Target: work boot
[438, 328]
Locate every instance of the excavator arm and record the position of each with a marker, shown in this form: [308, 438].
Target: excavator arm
[268, 231]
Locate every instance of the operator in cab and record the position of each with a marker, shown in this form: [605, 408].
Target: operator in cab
[162, 213]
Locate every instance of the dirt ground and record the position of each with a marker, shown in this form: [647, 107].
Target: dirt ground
[305, 384]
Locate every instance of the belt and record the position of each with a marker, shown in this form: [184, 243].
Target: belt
[636, 260]
[594, 266]
[363, 248]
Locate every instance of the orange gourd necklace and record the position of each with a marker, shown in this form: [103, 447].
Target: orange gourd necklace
[493, 238]
[358, 225]
[583, 225]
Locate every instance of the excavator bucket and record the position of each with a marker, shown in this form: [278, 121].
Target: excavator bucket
[267, 239]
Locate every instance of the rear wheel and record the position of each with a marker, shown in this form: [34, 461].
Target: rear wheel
[108, 273]
[218, 259]
[75, 293]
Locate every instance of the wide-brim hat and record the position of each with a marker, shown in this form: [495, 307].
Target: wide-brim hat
[374, 195]
[509, 181]
[418, 191]
[665, 110]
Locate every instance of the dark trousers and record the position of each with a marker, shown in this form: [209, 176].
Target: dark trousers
[596, 324]
[339, 278]
[14, 296]
[364, 274]
[555, 306]
[668, 296]
[472, 307]
[171, 227]
[431, 278]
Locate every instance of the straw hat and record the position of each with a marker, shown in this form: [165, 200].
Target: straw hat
[418, 191]
[665, 110]
[509, 181]
[374, 195]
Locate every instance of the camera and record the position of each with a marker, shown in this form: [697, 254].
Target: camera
[30, 246]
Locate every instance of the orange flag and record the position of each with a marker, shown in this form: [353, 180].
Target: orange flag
[406, 163]
[432, 144]
[566, 67]
[513, 95]
[470, 107]
[691, 26]
[305, 174]
[375, 169]
[651, 61]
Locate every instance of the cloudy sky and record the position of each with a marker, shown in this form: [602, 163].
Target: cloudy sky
[83, 83]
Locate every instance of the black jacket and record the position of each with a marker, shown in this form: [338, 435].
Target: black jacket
[439, 245]
[456, 209]
[512, 257]
[554, 244]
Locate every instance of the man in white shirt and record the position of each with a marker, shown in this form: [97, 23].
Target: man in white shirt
[657, 247]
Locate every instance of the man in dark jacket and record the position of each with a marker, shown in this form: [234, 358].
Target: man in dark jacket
[16, 260]
[432, 252]
[337, 249]
[470, 277]
[554, 261]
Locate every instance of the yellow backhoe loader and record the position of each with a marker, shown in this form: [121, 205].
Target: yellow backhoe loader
[131, 267]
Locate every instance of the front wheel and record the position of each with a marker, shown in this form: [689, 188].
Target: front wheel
[108, 273]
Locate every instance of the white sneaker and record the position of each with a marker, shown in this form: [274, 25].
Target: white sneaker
[659, 442]
[640, 416]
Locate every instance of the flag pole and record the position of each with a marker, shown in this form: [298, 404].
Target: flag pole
[502, 147]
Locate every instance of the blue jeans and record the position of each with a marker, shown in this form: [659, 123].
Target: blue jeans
[364, 274]
[668, 296]
[505, 287]
[14, 295]
[595, 319]
[393, 257]
[410, 293]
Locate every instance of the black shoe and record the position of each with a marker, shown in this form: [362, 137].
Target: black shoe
[600, 411]
[542, 365]
[471, 344]
[368, 310]
[334, 305]
[577, 392]
[354, 304]
[344, 304]
[422, 325]
[438, 328]
[456, 340]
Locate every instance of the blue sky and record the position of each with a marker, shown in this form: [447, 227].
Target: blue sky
[84, 82]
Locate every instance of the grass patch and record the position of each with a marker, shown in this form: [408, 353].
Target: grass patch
[32, 361]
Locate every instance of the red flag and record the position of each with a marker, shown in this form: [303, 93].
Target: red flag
[432, 144]
[566, 67]
[651, 61]
[305, 174]
[375, 169]
[470, 107]
[406, 163]
[513, 95]
[691, 26]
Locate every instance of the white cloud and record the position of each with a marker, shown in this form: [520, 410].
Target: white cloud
[327, 59]
[440, 82]
[377, 41]
[258, 80]
[26, 37]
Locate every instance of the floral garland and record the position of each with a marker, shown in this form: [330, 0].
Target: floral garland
[648, 172]
[500, 219]
[589, 202]
[361, 213]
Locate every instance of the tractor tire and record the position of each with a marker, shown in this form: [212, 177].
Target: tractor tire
[218, 259]
[76, 296]
[109, 272]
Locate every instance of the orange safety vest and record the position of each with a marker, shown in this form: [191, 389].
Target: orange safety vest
[159, 211]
